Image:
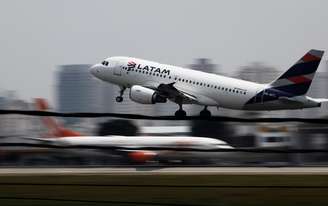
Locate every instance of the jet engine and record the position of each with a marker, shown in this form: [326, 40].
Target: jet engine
[141, 156]
[144, 95]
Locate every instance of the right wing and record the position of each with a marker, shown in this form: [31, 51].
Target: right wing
[179, 94]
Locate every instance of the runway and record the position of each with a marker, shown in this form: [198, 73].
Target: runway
[144, 186]
[168, 171]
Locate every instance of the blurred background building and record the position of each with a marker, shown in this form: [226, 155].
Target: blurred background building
[13, 127]
[77, 91]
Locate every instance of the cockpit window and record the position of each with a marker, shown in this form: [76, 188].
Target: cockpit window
[105, 63]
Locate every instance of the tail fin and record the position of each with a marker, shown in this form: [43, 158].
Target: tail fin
[297, 79]
[55, 129]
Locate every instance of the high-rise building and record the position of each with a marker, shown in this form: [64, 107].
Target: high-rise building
[78, 91]
[204, 65]
[258, 72]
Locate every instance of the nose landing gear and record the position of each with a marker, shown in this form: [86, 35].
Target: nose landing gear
[120, 98]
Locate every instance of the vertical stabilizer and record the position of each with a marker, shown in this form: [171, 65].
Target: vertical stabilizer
[55, 129]
[297, 79]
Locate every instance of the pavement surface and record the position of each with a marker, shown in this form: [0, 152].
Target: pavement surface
[168, 170]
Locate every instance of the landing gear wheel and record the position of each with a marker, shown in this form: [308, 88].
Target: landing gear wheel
[119, 99]
[180, 113]
[205, 113]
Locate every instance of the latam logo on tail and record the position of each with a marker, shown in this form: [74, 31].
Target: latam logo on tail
[186, 86]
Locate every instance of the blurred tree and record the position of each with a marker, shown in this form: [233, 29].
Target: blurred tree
[117, 127]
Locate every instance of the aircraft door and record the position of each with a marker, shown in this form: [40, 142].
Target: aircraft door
[117, 69]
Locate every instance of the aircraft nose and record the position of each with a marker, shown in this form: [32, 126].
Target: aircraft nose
[95, 70]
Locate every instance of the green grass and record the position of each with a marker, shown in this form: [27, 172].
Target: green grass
[164, 190]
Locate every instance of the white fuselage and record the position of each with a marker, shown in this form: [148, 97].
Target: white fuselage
[210, 89]
[158, 147]
[139, 142]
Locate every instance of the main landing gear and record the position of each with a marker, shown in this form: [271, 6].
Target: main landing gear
[205, 112]
[120, 98]
[180, 112]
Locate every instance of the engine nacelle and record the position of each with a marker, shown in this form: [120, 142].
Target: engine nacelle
[141, 156]
[144, 95]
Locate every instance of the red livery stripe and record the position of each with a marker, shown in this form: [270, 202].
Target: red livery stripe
[308, 58]
[299, 79]
[131, 62]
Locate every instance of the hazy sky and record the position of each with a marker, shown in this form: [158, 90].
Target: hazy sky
[37, 35]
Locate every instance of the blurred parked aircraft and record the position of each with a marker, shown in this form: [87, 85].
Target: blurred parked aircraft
[164, 147]
[152, 82]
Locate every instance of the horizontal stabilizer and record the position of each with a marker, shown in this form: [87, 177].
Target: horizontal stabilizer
[320, 100]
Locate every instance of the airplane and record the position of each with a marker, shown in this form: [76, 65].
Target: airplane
[132, 147]
[151, 82]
